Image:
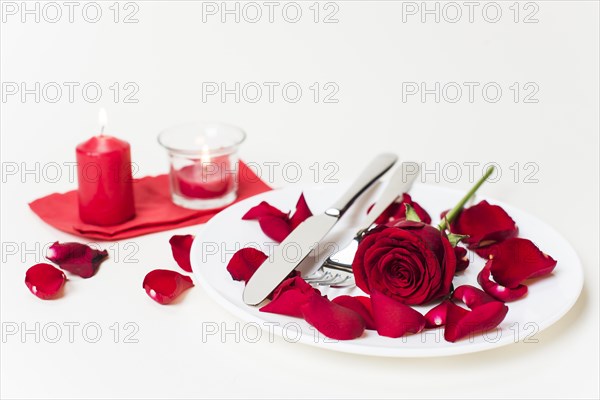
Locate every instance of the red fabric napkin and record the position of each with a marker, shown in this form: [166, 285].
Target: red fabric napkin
[154, 210]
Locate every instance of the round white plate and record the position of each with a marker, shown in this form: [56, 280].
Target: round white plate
[548, 300]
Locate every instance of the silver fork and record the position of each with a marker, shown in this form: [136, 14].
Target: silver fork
[336, 271]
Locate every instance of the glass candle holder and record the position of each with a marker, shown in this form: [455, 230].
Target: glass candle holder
[203, 159]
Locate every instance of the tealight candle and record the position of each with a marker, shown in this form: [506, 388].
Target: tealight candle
[204, 164]
[105, 179]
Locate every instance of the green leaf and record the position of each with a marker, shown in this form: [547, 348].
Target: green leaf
[455, 238]
[411, 214]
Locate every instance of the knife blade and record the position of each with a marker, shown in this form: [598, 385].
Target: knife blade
[309, 233]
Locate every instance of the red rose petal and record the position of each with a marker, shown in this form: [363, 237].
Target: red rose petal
[472, 296]
[333, 320]
[275, 228]
[496, 290]
[397, 211]
[462, 258]
[485, 224]
[518, 259]
[302, 212]
[180, 247]
[394, 319]
[245, 262]
[461, 323]
[77, 258]
[289, 297]
[359, 306]
[45, 280]
[163, 286]
[436, 317]
[264, 209]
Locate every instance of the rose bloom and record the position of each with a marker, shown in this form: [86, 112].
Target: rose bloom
[409, 261]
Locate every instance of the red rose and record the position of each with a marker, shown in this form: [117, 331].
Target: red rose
[411, 262]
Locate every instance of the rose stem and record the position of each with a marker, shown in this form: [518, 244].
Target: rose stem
[452, 214]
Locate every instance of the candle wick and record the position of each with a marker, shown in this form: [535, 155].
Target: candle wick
[102, 130]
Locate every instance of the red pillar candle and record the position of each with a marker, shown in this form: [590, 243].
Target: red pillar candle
[105, 181]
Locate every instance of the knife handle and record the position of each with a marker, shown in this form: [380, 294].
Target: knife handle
[379, 166]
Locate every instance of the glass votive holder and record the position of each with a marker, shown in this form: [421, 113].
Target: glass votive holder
[203, 159]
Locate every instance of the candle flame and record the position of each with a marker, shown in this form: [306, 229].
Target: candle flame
[102, 119]
[205, 154]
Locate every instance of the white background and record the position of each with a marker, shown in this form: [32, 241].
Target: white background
[368, 54]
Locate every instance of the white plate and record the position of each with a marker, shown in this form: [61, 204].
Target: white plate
[548, 300]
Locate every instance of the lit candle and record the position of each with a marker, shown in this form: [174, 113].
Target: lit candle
[207, 178]
[105, 179]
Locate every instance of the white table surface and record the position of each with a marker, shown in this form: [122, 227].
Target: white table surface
[368, 54]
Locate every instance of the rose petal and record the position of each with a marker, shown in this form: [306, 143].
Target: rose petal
[302, 212]
[289, 297]
[45, 280]
[462, 258]
[436, 317]
[163, 286]
[496, 290]
[333, 320]
[397, 211]
[180, 247]
[471, 296]
[518, 259]
[485, 224]
[77, 258]
[245, 262]
[461, 323]
[359, 306]
[394, 319]
[275, 228]
[264, 209]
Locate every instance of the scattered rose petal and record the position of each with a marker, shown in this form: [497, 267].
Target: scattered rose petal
[180, 247]
[397, 211]
[333, 320]
[485, 224]
[245, 262]
[289, 297]
[518, 259]
[163, 285]
[77, 258]
[472, 296]
[45, 280]
[496, 290]
[394, 319]
[462, 258]
[461, 323]
[436, 317]
[264, 209]
[302, 212]
[275, 228]
[359, 305]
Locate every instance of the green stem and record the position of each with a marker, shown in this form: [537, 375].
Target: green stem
[452, 214]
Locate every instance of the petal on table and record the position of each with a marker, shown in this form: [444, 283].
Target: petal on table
[45, 281]
[163, 286]
[180, 247]
[77, 258]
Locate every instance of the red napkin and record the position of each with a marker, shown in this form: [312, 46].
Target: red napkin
[154, 210]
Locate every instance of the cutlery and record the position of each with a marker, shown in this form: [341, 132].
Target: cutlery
[309, 233]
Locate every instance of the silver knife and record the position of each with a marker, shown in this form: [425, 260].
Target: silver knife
[274, 270]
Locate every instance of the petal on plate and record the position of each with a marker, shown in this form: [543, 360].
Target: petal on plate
[45, 281]
[436, 317]
[485, 224]
[163, 286]
[333, 320]
[359, 306]
[473, 297]
[245, 262]
[462, 258]
[518, 259]
[461, 323]
[264, 209]
[180, 247]
[77, 258]
[302, 212]
[289, 297]
[397, 211]
[496, 290]
[394, 319]
[275, 228]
